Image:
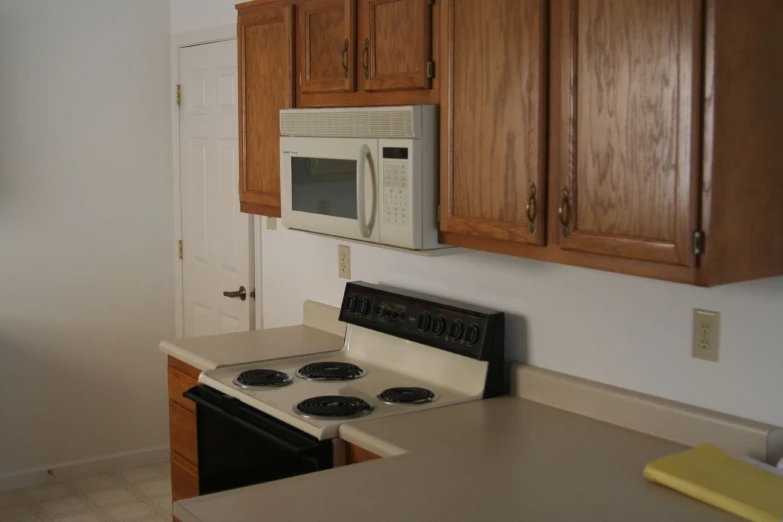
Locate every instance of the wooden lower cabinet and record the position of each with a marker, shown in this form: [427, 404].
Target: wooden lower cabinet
[355, 454]
[184, 478]
[183, 431]
[183, 434]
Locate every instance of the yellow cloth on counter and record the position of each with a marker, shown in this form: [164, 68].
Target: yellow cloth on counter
[708, 474]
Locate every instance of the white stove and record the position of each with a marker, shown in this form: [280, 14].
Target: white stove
[387, 363]
[403, 352]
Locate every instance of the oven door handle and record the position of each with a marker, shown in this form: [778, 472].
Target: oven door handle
[361, 212]
[261, 424]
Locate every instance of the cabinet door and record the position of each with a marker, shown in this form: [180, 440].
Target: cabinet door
[624, 128]
[326, 45]
[355, 455]
[184, 478]
[395, 44]
[265, 86]
[493, 119]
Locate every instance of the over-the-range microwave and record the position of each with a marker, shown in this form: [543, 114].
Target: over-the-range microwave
[367, 174]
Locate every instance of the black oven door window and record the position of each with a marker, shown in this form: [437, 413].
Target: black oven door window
[240, 446]
[324, 186]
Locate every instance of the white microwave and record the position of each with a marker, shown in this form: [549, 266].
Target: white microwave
[367, 174]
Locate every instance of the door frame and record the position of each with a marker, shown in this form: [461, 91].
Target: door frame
[179, 41]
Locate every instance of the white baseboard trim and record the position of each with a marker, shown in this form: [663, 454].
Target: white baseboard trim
[82, 468]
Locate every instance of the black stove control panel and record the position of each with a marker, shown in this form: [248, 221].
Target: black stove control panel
[460, 328]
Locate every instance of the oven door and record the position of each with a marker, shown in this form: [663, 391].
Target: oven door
[330, 186]
[240, 446]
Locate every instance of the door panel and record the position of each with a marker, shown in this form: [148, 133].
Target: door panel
[395, 44]
[265, 86]
[326, 45]
[215, 234]
[624, 131]
[493, 119]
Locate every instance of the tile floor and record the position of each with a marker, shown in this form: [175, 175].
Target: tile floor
[133, 495]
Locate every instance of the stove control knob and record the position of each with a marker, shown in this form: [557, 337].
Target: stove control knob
[350, 304]
[456, 330]
[364, 306]
[439, 326]
[472, 334]
[423, 322]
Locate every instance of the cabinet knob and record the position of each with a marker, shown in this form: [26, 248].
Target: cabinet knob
[365, 54]
[564, 212]
[344, 58]
[531, 209]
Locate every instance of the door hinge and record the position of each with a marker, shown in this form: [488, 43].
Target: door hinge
[179, 249]
[178, 94]
[438, 216]
[698, 242]
[430, 69]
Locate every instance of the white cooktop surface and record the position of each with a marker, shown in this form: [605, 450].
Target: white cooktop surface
[281, 401]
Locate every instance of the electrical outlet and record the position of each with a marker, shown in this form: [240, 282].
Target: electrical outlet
[271, 223]
[706, 335]
[344, 261]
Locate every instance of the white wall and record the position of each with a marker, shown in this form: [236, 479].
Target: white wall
[621, 330]
[86, 233]
[192, 15]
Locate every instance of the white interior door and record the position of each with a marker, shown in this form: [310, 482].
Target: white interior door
[217, 238]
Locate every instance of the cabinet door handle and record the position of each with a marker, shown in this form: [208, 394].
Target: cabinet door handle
[344, 58]
[531, 209]
[564, 212]
[365, 54]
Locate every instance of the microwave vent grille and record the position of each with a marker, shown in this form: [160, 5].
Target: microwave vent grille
[396, 122]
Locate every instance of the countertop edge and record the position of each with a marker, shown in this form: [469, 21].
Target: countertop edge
[353, 433]
[187, 356]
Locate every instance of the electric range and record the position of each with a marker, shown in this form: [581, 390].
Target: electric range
[403, 352]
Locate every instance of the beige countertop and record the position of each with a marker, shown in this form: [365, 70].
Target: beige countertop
[321, 332]
[498, 459]
[212, 351]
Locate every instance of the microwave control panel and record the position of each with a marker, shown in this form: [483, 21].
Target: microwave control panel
[396, 184]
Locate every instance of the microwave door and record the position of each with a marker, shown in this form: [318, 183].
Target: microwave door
[322, 183]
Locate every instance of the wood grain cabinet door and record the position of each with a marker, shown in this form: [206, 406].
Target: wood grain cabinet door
[265, 40]
[326, 45]
[624, 132]
[395, 44]
[493, 114]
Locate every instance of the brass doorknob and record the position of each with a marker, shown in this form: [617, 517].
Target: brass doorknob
[241, 293]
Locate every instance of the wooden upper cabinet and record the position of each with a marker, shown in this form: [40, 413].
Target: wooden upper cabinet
[395, 44]
[326, 45]
[265, 39]
[624, 127]
[493, 115]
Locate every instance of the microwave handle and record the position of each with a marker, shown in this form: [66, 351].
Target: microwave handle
[361, 211]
